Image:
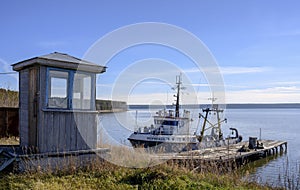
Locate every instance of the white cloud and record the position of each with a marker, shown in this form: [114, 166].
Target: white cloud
[201, 85]
[287, 83]
[285, 89]
[229, 70]
[280, 94]
[241, 70]
[158, 98]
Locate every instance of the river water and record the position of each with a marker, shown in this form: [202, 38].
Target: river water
[274, 124]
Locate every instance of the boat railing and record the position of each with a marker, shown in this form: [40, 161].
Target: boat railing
[171, 114]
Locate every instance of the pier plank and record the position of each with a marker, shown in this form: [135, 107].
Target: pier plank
[228, 153]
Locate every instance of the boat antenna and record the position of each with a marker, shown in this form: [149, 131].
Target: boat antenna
[167, 99]
[213, 99]
[136, 116]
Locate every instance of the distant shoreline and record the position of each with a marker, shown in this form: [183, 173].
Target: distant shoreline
[228, 106]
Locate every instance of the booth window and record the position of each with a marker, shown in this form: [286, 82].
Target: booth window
[68, 89]
[58, 89]
[82, 91]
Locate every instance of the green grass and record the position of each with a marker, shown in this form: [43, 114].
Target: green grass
[108, 176]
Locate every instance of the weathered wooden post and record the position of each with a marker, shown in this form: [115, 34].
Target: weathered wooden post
[57, 103]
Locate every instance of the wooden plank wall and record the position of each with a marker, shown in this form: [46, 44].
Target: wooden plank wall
[23, 112]
[64, 131]
[32, 105]
[42, 104]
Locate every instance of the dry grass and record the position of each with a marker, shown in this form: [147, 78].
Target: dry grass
[100, 174]
[9, 98]
[10, 141]
[147, 174]
[103, 175]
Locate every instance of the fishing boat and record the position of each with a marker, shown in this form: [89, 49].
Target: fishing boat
[171, 129]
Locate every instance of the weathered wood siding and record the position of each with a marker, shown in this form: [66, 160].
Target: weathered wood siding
[64, 130]
[51, 130]
[24, 106]
[67, 130]
[28, 101]
[33, 105]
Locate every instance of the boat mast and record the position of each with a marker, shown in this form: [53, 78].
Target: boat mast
[207, 110]
[178, 83]
[215, 108]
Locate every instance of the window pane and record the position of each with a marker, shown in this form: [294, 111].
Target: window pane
[82, 90]
[58, 89]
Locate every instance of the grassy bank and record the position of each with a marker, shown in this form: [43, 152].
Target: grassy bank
[108, 176]
[103, 175]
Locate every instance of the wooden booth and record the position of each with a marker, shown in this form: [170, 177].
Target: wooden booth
[57, 103]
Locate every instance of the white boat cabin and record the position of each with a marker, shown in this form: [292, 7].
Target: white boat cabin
[165, 123]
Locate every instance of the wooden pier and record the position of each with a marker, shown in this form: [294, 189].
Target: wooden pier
[231, 156]
[217, 159]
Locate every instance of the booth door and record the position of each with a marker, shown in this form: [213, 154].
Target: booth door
[33, 105]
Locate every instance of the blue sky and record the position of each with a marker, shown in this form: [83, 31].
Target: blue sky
[255, 43]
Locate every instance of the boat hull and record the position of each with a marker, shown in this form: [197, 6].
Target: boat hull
[163, 146]
[165, 143]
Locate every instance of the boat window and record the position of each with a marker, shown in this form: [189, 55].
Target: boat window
[173, 123]
[158, 122]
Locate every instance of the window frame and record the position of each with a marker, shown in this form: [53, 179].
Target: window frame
[70, 86]
[91, 90]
